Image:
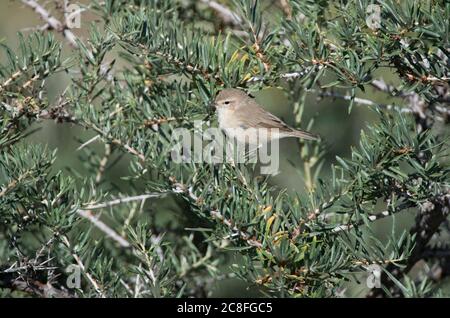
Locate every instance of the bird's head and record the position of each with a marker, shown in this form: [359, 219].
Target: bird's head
[230, 99]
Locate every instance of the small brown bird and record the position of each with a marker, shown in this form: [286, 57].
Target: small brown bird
[238, 113]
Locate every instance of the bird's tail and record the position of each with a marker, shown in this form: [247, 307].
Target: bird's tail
[303, 135]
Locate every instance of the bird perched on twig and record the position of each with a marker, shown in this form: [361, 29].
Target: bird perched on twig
[241, 117]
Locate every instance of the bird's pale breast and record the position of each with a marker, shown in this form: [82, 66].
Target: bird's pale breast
[235, 126]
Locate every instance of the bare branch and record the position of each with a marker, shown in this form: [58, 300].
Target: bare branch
[86, 212]
[363, 101]
[141, 197]
[227, 16]
[53, 22]
[371, 218]
[103, 227]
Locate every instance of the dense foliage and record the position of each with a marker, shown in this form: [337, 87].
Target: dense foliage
[149, 67]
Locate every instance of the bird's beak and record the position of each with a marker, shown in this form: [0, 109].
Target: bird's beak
[212, 106]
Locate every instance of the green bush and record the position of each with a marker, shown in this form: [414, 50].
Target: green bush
[133, 223]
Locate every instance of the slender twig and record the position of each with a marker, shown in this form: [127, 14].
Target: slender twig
[363, 101]
[86, 213]
[371, 218]
[285, 76]
[227, 16]
[381, 85]
[159, 121]
[123, 200]
[12, 184]
[193, 69]
[88, 142]
[103, 227]
[80, 263]
[115, 141]
[242, 234]
[52, 21]
[102, 164]
[11, 79]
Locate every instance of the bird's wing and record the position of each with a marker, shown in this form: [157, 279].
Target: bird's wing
[271, 121]
[262, 118]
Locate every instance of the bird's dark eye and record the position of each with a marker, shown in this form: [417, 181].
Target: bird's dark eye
[227, 102]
